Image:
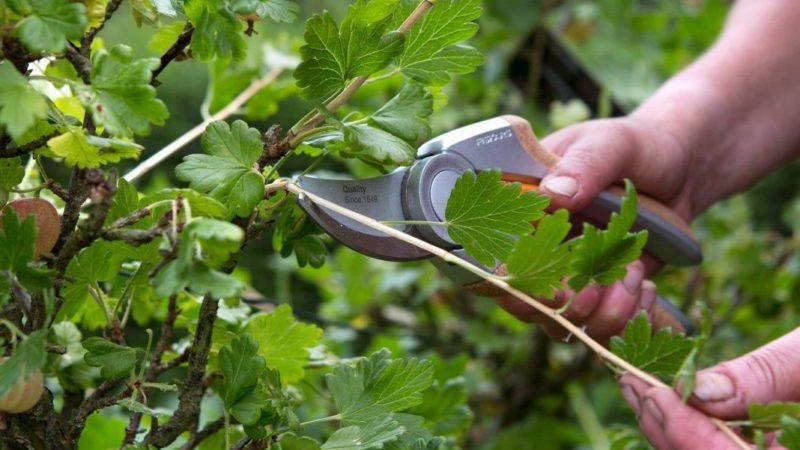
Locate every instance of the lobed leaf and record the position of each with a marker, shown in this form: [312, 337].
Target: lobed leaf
[20, 104]
[602, 256]
[115, 361]
[485, 215]
[539, 262]
[661, 353]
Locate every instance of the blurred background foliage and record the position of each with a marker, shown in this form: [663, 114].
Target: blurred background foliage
[524, 390]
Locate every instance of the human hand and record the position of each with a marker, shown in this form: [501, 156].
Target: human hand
[725, 391]
[594, 155]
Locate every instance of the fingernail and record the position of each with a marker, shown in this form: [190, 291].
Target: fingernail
[653, 409]
[713, 387]
[564, 186]
[630, 396]
[633, 280]
[648, 294]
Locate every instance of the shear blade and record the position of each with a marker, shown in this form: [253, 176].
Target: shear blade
[378, 198]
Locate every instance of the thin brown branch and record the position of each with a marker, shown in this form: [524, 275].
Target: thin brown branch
[187, 414]
[69, 218]
[27, 148]
[196, 438]
[80, 62]
[175, 50]
[102, 193]
[102, 397]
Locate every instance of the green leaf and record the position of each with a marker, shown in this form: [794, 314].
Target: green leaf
[241, 367]
[414, 431]
[602, 256]
[202, 205]
[189, 271]
[17, 241]
[284, 342]
[114, 360]
[291, 441]
[121, 97]
[431, 55]
[444, 408]
[374, 146]
[485, 215]
[539, 262]
[165, 36]
[218, 32]
[29, 358]
[769, 415]
[407, 114]
[378, 385]
[247, 410]
[373, 434]
[790, 433]
[11, 173]
[226, 172]
[20, 104]
[217, 238]
[661, 353]
[277, 10]
[50, 24]
[333, 54]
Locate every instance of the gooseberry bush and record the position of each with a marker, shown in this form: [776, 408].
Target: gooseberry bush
[89, 263]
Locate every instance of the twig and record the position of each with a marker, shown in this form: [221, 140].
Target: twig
[186, 415]
[151, 162]
[99, 399]
[576, 331]
[200, 436]
[174, 51]
[337, 102]
[69, 218]
[27, 148]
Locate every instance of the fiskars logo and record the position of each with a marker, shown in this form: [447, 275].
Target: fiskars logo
[493, 137]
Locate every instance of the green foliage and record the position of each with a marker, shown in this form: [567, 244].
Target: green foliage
[769, 415]
[219, 31]
[17, 239]
[790, 434]
[434, 52]
[601, 256]
[376, 386]
[114, 360]
[334, 54]
[29, 357]
[540, 261]
[407, 114]
[189, 270]
[85, 151]
[284, 342]
[226, 172]
[49, 23]
[20, 104]
[121, 97]
[242, 367]
[485, 215]
[373, 434]
[661, 353]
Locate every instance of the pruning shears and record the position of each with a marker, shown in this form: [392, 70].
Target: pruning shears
[419, 194]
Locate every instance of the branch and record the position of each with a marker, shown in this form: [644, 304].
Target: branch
[553, 314]
[174, 51]
[80, 62]
[27, 148]
[154, 160]
[99, 399]
[338, 101]
[102, 193]
[187, 414]
[86, 40]
[200, 436]
[69, 218]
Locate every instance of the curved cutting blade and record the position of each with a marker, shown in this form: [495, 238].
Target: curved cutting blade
[378, 198]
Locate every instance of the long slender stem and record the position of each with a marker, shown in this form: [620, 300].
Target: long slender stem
[576, 331]
[154, 160]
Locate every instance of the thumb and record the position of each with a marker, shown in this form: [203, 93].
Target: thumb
[765, 375]
[593, 156]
